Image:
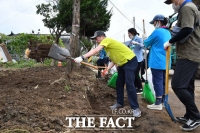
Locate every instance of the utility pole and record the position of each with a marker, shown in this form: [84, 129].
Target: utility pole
[133, 22]
[74, 37]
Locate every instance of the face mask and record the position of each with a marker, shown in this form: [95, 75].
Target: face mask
[176, 8]
[157, 26]
[131, 36]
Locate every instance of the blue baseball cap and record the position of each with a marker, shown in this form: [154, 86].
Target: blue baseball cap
[157, 17]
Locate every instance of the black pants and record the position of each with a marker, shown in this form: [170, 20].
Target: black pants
[138, 82]
[126, 76]
[183, 86]
[143, 66]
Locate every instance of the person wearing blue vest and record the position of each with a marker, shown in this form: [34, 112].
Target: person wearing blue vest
[102, 61]
[157, 58]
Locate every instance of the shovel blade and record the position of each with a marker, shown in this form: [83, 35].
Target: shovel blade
[59, 53]
[168, 109]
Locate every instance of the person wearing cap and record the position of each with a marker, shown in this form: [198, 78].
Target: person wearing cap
[136, 44]
[187, 60]
[102, 61]
[126, 61]
[157, 58]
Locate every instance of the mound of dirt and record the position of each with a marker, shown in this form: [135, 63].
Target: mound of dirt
[39, 99]
[39, 51]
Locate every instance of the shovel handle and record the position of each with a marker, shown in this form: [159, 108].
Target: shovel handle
[167, 70]
[95, 67]
[87, 64]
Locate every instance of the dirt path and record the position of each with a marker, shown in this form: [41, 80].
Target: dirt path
[39, 99]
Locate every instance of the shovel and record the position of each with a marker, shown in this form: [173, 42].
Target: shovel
[63, 54]
[167, 106]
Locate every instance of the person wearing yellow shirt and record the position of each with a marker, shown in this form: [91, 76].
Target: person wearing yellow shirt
[127, 63]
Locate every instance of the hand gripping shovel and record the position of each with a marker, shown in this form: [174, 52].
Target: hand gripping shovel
[167, 106]
[63, 54]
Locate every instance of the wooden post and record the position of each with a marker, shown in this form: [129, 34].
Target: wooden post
[133, 22]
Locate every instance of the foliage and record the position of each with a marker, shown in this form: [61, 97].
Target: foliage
[53, 19]
[18, 44]
[45, 39]
[86, 42]
[65, 13]
[67, 88]
[3, 37]
[93, 16]
[0, 39]
[28, 63]
[19, 64]
[94, 60]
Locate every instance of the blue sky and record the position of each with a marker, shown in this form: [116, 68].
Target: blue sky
[20, 16]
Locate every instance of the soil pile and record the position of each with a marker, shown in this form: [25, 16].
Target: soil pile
[39, 99]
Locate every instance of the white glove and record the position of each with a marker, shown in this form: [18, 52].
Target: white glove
[78, 59]
[166, 45]
[134, 42]
[144, 36]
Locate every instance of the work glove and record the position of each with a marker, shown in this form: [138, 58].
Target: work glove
[134, 42]
[144, 36]
[104, 72]
[166, 45]
[78, 59]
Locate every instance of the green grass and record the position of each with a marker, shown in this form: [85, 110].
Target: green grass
[67, 88]
[28, 63]
[24, 64]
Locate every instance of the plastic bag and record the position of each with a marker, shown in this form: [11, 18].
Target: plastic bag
[113, 69]
[148, 94]
[148, 90]
[112, 80]
[149, 79]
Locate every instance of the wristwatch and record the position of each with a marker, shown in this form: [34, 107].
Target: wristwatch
[82, 57]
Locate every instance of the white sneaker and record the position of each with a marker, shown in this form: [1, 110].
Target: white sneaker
[163, 105]
[156, 107]
[136, 113]
[116, 106]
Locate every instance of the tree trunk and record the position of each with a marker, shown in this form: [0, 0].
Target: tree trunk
[74, 38]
